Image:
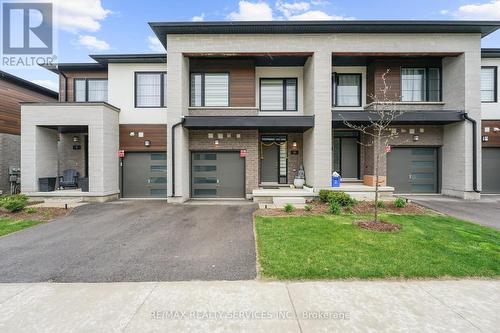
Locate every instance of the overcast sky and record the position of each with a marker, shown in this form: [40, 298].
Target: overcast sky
[120, 26]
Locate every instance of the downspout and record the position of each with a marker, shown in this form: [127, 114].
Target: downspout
[173, 154]
[474, 151]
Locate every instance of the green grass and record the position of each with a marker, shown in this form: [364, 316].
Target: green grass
[8, 225]
[330, 247]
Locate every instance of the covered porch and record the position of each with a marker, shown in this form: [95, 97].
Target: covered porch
[69, 151]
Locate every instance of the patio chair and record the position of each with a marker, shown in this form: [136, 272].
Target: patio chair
[69, 179]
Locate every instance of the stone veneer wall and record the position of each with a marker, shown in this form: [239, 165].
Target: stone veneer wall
[249, 140]
[10, 155]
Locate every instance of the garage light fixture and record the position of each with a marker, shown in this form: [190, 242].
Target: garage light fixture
[147, 143]
[76, 139]
[216, 142]
[416, 138]
[485, 138]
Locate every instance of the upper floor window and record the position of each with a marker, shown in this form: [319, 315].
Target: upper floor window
[150, 89]
[91, 90]
[210, 89]
[278, 94]
[347, 89]
[488, 84]
[420, 84]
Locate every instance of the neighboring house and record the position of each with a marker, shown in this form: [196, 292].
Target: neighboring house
[490, 123]
[239, 106]
[14, 90]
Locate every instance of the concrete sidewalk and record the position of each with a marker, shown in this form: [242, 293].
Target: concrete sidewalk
[252, 306]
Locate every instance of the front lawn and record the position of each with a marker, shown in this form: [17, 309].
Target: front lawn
[9, 225]
[330, 247]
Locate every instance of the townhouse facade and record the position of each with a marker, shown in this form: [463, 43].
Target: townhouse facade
[490, 122]
[13, 91]
[234, 107]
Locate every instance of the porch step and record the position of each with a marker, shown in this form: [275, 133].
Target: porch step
[280, 202]
[265, 195]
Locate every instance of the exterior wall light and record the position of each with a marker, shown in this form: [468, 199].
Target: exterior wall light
[294, 144]
[416, 138]
[485, 138]
[147, 143]
[131, 134]
[76, 139]
[216, 142]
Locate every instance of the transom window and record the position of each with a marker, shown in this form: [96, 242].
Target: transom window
[150, 89]
[488, 84]
[347, 89]
[91, 90]
[420, 84]
[278, 94]
[210, 89]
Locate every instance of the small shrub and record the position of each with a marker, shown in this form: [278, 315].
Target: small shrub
[14, 203]
[308, 208]
[288, 208]
[323, 195]
[399, 202]
[334, 208]
[348, 210]
[380, 204]
[341, 198]
[30, 210]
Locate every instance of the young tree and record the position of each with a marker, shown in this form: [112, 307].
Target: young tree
[383, 112]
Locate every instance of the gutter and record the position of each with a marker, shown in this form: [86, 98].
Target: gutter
[173, 154]
[474, 152]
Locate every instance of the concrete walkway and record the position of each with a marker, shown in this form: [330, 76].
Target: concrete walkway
[252, 306]
[485, 211]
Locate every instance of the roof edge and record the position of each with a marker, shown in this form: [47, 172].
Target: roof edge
[28, 85]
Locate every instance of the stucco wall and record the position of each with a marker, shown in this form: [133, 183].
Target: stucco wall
[121, 93]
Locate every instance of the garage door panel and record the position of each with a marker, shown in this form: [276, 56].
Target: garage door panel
[413, 170]
[217, 175]
[144, 175]
[491, 170]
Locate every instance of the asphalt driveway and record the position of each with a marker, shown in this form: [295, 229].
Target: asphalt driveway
[485, 211]
[134, 241]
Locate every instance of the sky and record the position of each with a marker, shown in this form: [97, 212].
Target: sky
[120, 26]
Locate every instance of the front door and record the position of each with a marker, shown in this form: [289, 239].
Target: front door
[346, 154]
[274, 159]
[413, 170]
[217, 175]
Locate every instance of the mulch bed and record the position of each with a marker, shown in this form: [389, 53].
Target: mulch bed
[360, 208]
[44, 214]
[380, 226]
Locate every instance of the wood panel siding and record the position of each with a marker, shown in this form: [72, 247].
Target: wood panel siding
[156, 133]
[11, 95]
[241, 77]
[376, 68]
[493, 137]
[72, 75]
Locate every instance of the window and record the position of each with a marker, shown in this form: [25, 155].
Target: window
[278, 94]
[347, 89]
[488, 84]
[150, 89]
[420, 84]
[91, 90]
[210, 89]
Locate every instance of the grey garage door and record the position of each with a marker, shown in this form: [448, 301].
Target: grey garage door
[491, 172]
[413, 170]
[217, 175]
[144, 175]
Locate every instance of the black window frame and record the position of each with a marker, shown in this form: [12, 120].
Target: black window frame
[284, 79]
[335, 83]
[426, 90]
[163, 100]
[203, 89]
[495, 92]
[86, 80]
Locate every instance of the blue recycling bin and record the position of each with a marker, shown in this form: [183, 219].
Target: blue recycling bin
[335, 181]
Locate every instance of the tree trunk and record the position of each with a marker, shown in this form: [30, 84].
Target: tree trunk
[377, 161]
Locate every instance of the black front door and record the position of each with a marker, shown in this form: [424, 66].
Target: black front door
[346, 154]
[274, 159]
